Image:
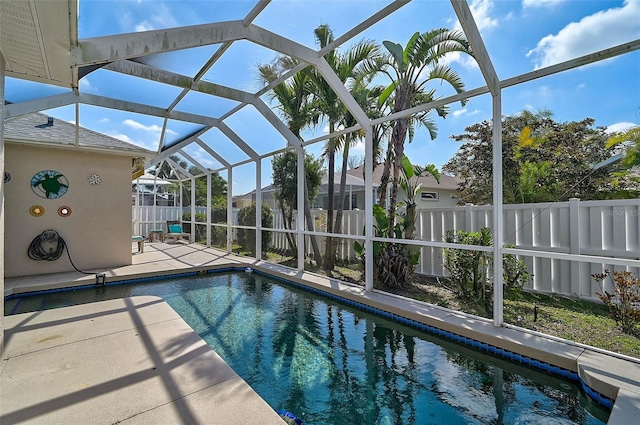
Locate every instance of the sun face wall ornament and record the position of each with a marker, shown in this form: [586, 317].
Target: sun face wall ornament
[94, 179]
[49, 184]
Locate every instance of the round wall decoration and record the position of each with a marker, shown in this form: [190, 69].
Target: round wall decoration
[6, 178]
[36, 210]
[64, 211]
[94, 179]
[49, 184]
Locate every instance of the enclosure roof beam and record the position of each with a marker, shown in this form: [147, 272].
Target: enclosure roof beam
[177, 168]
[465, 17]
[101, 50]
[150, 73]
[238, 141]
[177, 146]
[194, 162]
[14, 110]
[211, 152]
[139, 108]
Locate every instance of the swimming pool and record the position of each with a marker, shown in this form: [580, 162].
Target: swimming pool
[329, 363]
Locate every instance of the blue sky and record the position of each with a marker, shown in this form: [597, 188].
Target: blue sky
[520, 36]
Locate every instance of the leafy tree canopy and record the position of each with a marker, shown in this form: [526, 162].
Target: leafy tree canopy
[285, 176]
[543, 161]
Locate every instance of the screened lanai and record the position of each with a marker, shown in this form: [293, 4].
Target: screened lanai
[192, 82]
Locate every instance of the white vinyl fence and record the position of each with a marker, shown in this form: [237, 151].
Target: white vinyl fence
[148, 218]
[595, 228]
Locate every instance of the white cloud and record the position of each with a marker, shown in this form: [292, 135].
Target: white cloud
[592, 33]
[125, 138]
[620, 126]
[143, 26]
[104, 120]
[465, 112]
[581, 86]
[85, 85]
[540, 3]
[481, 11]
[155, 129]
[162, 18]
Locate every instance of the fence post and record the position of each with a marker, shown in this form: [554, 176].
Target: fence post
[468, 217]
[574, 246]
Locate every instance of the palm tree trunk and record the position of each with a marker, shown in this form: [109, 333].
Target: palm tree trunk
[337, 228]
[399, 134]
[286, 220]
[384, 180]
[331, 154]
[317, 256]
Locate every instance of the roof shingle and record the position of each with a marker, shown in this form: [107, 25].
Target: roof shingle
[34, 128]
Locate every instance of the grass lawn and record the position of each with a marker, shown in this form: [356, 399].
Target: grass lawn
[581, 321]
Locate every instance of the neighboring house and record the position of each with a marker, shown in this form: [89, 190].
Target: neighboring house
[353, 192]
[148, 188]
[80, 188]
[432, 194]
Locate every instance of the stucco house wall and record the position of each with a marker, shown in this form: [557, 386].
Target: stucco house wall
[98, 230]
[97, 233]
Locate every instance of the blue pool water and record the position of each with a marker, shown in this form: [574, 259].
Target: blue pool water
[328, 363]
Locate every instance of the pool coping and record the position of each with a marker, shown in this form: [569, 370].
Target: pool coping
[76, 364]
[609, 378]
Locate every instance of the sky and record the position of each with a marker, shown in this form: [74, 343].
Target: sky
[520, 36]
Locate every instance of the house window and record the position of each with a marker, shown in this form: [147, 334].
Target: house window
[429, 196]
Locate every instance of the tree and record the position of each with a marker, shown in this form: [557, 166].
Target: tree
[410, 69]
[543, 161]
[285, 181]
[294, 102]
[247, 237]
[352, 67]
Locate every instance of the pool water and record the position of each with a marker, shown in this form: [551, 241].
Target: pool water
[328, 363]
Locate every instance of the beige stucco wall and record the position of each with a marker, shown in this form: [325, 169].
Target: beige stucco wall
[98, 231]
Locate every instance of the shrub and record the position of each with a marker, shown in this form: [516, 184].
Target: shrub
[514, 271]
[218, 234]
[393, 263]
[247, 237]
[624, 302]
[468, 270]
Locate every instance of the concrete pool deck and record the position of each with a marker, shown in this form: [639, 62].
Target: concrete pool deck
[135, 360]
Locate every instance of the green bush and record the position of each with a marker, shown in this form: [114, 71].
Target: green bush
[247, 237]
[218, 234]
[393, 263]
[468, 270]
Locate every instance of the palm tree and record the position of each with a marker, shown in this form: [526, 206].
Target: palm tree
[410, 69]
[630, 141]
[294, 98]
[352, 68]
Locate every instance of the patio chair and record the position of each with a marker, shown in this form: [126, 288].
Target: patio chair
[175, 233]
